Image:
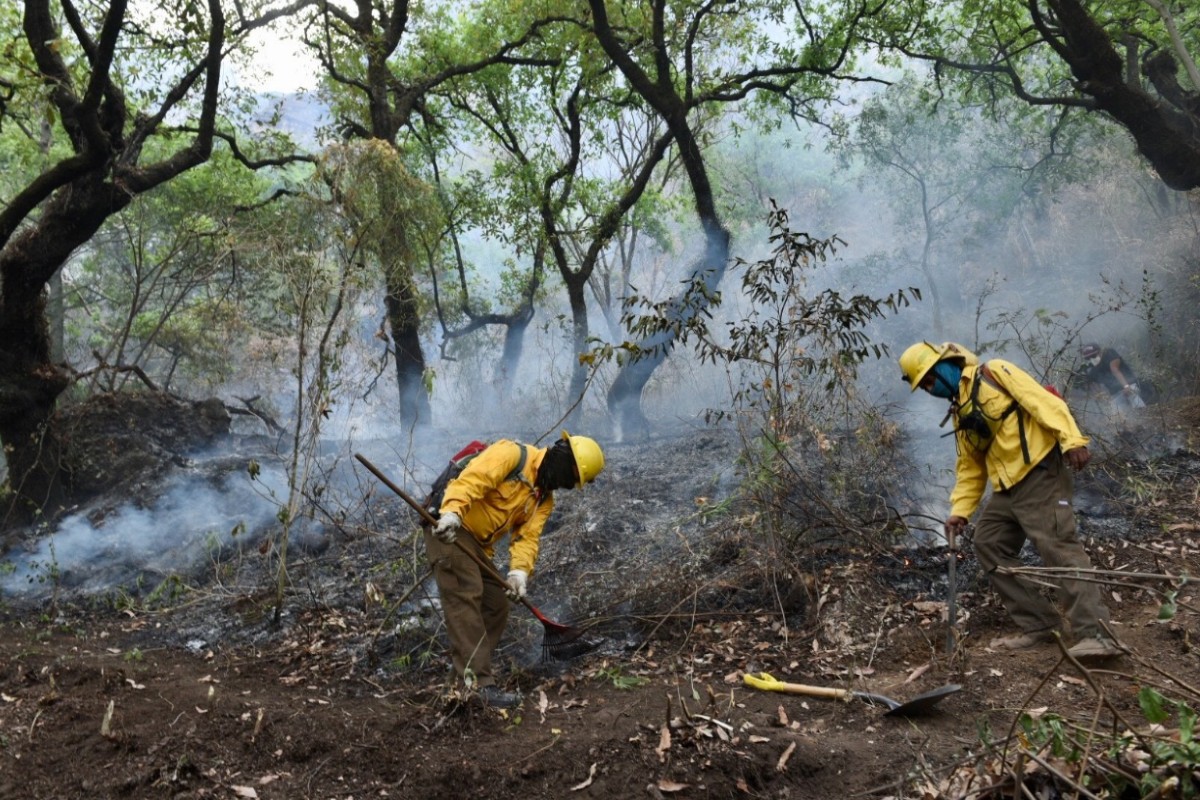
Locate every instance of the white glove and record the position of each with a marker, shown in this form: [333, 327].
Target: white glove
[516, 584]
[447, 527]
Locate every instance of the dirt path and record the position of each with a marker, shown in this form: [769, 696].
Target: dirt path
[298, 720]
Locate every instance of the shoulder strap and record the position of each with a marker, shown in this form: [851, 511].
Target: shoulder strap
[518, 473]
[987, 375]
[984, 373]
[980, 371]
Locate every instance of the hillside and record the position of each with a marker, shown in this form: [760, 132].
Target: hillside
[199, 695]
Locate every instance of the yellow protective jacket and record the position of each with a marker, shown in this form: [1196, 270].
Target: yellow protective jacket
[491, 506]
[1047, 422]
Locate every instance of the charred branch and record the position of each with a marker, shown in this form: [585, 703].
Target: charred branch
[103, 366]
[252, 410]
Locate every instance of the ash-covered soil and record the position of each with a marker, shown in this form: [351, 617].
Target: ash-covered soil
[195, 683]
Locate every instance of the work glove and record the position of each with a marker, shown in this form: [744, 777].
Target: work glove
[516, 583]
[447, 527]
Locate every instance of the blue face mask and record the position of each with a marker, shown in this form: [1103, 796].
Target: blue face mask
[946, 375]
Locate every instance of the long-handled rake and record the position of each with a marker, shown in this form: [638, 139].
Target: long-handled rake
[558, 641]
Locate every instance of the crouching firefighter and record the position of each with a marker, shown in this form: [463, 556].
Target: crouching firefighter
[1010, 430]
[508, 488]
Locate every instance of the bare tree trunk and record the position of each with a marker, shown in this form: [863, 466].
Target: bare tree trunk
[663, 94]
[61, 208]
[625, 394]
[579, 371]
[404, 321]
[36, 473]
[30, 384]
[57, 316]
[30, 380]
[510, 356]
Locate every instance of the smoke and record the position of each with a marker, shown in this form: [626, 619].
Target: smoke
[136, 546]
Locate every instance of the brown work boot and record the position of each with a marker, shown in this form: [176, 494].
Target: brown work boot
[1095, 647]
[1022, 641]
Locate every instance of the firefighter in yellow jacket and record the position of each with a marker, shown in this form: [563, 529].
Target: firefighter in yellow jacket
[1012, 431]
[506, 489]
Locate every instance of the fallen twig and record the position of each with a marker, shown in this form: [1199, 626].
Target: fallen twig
[1046, 765]
[781, 765]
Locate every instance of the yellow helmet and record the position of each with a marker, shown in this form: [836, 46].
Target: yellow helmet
[920, 358]
[589, 458]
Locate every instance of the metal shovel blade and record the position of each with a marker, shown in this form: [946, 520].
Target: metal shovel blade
[921, 704]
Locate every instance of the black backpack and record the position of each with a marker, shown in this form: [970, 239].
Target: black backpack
[458, 462]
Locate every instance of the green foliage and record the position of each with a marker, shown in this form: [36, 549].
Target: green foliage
[815, 454]
[1167, 610]
[564, 184]
[1053, 731]
[1170, 756]
[387, 211]
[1157, 757]
[159, 288]
[615, 675]
[1059, 57]
[790, 333]
[363, 214]
[949, 164]
[45, 572]
[977, 31]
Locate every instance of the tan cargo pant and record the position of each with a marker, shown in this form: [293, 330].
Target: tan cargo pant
[475, 609]
[1039, 508]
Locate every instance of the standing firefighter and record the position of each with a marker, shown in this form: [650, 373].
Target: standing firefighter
[507, 488]
[1010, 430]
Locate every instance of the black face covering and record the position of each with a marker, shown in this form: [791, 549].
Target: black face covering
[558, 468]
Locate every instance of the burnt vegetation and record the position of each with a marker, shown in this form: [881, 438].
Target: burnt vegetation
[684, 583]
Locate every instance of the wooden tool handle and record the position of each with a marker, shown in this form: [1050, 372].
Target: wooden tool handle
[484, 564]
[767, 683]
[812, 691]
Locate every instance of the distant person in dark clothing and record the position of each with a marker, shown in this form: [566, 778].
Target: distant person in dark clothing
[1104, 368]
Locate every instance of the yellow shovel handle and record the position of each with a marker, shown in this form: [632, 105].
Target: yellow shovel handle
[768, 684]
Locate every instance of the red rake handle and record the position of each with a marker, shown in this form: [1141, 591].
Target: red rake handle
[488, 568]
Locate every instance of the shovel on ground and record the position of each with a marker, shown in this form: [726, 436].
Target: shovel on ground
[921, 704]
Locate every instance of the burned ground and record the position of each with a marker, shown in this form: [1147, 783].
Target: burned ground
[188, 688]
